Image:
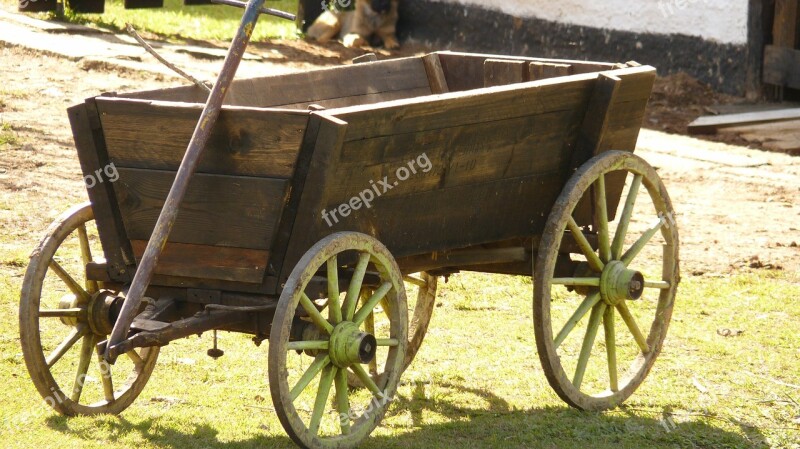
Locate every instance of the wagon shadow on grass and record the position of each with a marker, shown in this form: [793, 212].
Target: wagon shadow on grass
[497, 425]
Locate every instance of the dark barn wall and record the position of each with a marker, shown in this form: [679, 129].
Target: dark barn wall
[472, 28]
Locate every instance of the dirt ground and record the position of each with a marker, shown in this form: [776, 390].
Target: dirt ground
[738, 209]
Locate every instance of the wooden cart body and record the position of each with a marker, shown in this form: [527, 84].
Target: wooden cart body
[288, 147]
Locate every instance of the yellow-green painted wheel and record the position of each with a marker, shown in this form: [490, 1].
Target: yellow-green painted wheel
[606, 263]
[342, 309]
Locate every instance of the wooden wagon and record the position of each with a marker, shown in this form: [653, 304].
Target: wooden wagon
[322, 196]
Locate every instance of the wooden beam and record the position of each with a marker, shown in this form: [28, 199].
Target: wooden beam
[436, 78]
[787, 23]
[714, 123]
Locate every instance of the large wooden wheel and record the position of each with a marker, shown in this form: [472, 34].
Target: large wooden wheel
[310, 353]
[62, 317]
[632, 275]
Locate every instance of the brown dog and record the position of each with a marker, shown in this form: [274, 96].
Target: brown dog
[356, 28]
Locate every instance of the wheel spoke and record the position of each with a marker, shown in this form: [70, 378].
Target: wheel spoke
[582, 310]
[105, 377]
[307, 345]
[358, 370]
[354, 289]
[316, 366]
[625, 218]
[86, 256]
[370, 303]
[323, 393]
[588, 342]
[342, 400]
[661, 285]
[87, 349]
[333, 291]
[387, 342]
[576, 282]
[594, 261]
[135, 358]
[314, 314]
[75, 335]
[630, 321]
[61, 313]
[637, 247]
[601, 209]
[416, 281]
[611, 348]
[73, 286]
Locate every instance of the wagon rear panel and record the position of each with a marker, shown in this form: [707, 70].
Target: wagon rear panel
[499, 159]
[228, 219]
[330, 88]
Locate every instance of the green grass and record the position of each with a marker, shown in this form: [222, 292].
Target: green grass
[476, 382]
[174, 20]
[7, 135]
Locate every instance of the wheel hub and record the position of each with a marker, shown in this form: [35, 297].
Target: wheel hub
[69, 301]
[103, 309]
[349, 345]
[618, 283]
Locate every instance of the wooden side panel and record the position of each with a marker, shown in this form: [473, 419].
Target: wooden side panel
[500, 72]
[208, 262]
[464, 71]
[458, 170]
[154, 135]
[218, 210]
[545, 70]
[296, 89]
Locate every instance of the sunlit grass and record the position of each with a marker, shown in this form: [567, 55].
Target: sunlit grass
[174, 20]
[476, 382]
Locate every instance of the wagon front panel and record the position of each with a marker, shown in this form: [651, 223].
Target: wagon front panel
[227, 222]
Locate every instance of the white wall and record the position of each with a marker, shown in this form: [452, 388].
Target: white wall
[719, 20]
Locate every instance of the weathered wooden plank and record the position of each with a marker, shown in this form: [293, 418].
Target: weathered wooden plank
[435, 72]
[545, 70]
[711, 124]
[464, 71]
[89, 143]
[208, 262]
[154, 135]
[363, 99]
[233, 211]
[787, 23]
[459, 155]
[501, 72]
[496, 103]
[310, 86]
[782, 66]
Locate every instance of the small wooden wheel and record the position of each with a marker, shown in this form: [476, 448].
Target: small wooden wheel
[584, 270]
[60, 308]
[310, 353]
